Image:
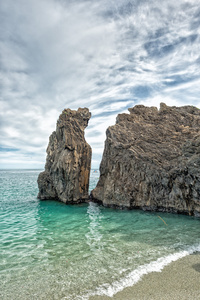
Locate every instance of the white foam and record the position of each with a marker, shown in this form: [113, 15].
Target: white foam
[136, 275]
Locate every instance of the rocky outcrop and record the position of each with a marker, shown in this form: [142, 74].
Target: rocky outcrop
[68, 162]
[151, 160]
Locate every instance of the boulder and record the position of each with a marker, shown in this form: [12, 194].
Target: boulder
[151, 160]
[68, 162]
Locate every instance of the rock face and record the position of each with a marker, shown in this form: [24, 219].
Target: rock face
[151, 160]
[68, 162]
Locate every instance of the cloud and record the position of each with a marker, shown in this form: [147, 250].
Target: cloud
[104, 55]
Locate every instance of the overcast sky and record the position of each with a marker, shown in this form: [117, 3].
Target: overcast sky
[104, 55]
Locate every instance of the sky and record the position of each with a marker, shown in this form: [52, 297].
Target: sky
[104, 55]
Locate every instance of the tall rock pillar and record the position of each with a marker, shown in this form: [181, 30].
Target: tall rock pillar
[68, 162]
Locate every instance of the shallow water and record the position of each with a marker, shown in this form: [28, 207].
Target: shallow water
[50, 250]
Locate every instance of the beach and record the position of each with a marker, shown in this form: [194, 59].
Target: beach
[50, 250]
[178, 280]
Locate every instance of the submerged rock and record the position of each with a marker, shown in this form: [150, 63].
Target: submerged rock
[151, 160]
[68, 162]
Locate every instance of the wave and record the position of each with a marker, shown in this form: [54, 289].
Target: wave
[136, 275]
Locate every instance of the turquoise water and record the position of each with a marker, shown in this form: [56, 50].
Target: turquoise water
[50, 250]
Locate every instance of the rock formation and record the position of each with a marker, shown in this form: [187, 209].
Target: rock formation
[67, 169]
[151, 160]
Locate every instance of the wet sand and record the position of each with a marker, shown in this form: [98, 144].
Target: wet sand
[179, 280]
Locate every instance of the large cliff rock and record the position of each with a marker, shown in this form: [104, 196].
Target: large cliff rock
[67, 169]
[151, 160]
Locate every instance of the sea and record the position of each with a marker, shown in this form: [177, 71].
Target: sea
[50, 250]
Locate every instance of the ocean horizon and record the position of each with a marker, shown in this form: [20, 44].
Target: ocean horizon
[50, 250]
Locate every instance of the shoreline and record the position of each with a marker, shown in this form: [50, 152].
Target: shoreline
[178, 280]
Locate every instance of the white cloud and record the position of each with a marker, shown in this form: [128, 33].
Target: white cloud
[105, 55]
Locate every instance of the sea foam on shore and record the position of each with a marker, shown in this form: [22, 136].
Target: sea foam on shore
[137, 274]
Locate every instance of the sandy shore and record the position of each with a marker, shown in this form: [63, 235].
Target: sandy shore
[178, 280]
